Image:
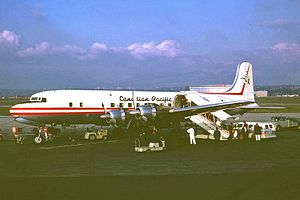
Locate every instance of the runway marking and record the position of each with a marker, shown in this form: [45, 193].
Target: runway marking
[75, 145]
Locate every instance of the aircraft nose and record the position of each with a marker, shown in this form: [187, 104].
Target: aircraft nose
[14, 110]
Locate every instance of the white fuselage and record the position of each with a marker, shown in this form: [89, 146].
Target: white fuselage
[90, 106]
[85, 106]
[61, 102]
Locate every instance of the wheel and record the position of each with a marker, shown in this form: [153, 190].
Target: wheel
[38, 140]
[92, 137]
[278, 128]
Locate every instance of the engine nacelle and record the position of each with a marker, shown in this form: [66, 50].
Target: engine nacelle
[116, 117]
[147, 111]
[27, 121]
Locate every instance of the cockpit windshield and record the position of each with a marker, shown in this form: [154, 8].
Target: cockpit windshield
[38, 99]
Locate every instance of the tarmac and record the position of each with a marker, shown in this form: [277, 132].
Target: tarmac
[246, 169]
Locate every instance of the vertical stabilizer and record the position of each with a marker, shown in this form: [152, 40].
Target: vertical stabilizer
[243, 83]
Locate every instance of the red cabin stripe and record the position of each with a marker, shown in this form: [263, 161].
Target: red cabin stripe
[66, 108]
[55, 113]
[59, 108]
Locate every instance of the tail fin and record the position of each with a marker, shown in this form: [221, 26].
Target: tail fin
[243, 83]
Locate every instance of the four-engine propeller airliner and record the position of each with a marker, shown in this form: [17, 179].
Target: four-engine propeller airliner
[106, 107]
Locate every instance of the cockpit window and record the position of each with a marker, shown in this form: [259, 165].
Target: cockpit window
[38, 99]
[34, 99]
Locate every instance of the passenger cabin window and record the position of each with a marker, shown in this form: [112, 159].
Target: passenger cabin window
[138, 104]
[121, 105]
[169, 104]
[112, 105]
[129, 105]
[266, 127]
[102, 105]
[44, 100]
[70, 104]
[81, 104]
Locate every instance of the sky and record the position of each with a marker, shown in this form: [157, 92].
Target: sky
[146, 44]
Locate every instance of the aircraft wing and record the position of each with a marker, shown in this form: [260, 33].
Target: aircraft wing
[192, 110]
[256, 106]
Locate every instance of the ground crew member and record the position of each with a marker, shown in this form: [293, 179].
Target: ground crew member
[191, 132]
[231, 130]
[1, 137]
[244, 134]
[257, 132]
[217, 135]
[236, 132]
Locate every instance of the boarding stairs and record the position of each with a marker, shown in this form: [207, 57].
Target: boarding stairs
[205, 123]
[208, 126]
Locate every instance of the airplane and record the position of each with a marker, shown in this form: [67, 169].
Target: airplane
[120, 108]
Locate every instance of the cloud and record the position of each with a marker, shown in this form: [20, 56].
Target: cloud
[8, 38]
[70, 49]
[280, 23]
[167, 48]
[287, 47]
[40, 49]
[45, 48]
[98, 47]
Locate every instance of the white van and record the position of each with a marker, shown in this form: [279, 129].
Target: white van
[268, 129]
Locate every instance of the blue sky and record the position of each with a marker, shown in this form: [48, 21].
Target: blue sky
[146, 44]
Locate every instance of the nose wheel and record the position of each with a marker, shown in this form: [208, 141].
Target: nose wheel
[38, 139]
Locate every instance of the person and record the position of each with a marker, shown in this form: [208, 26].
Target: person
[217, 135]
[244, 134]
[154, 138]
[257, 132]
[231, 130]
[191, 132]
[1, 136]
[46, 134]
[236, 132]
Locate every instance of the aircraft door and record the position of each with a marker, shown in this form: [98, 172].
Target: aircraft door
[180, 101]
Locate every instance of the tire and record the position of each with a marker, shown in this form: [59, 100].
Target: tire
[278, 128]
[38, 140]
[92, 137]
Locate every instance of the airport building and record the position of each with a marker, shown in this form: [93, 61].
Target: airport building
[262, 93]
